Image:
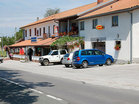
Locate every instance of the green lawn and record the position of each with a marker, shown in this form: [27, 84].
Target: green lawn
[4, 53]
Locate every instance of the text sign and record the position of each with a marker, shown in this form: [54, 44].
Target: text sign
[33, 39]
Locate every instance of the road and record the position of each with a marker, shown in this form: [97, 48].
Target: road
[73, 92]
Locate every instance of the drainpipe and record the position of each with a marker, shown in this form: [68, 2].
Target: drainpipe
[131, 37]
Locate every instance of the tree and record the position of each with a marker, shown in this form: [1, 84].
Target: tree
[50, 12]
[65, 39]
[19, 34]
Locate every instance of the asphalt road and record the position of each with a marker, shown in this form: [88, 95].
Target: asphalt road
[73, 92]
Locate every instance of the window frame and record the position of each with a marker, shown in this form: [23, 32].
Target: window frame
[30, 32]
[82, 25]
[94, 23]
[115, 21]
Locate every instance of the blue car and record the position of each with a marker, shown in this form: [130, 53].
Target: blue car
[91, 57]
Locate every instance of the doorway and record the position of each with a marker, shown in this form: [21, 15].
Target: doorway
[99, 45]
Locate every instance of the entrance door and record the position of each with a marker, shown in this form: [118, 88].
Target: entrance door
[99, 45]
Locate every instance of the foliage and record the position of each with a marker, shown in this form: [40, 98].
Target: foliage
[19, 34]
[3, 54]
[50, 12]
[63, 40]
[11, 40]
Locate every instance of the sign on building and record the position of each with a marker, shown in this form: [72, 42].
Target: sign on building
[33, 39]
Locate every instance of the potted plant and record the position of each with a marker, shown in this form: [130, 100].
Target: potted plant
[117, 47]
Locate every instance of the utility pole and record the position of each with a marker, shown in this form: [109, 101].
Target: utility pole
[1, 40]
[15, 33]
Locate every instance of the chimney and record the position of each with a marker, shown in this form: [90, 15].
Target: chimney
[99, 1]
[37, 18]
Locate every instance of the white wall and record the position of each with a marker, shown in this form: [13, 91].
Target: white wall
[38, 26]
[111, 34]
[136, 34]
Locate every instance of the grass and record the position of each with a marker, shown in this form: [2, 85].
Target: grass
[4, 54]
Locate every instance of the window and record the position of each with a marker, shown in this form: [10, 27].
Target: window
[82, 25]
[25, 33]
[94, 23]
[114, 20]
[55, 53]
[40, 31]
[88, 52]
[62, 52]
[35, 31]
[53, 29]
[76, 53]
[43, 30]
[49, 31]
[30, 32]
[98, 52]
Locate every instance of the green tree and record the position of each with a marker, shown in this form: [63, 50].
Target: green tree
[51, 11]
[19, 35]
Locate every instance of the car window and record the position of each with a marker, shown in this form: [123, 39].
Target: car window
[55, 53]
[67, 55]
[84, 53]
[76, 54]
[87, 52]
[62, 52]
[97, 52]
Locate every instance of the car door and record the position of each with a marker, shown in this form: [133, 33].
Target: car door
[99, 57]
[55, 56]
[88, 55]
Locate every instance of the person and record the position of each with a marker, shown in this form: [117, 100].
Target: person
[30, 53]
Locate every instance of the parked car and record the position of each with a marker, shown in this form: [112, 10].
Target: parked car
[91, 57]
[67, 60]
[55, 56]
[1, 60]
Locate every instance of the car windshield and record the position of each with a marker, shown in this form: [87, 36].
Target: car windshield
[50, 52]
[67, 55]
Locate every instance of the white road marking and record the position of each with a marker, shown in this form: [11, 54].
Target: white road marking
[53, 97]
[50, 96]
[36, 91]
[12, 82]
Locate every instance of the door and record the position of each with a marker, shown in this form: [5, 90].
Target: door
[55, 56]
[99, 57]
[99, 45]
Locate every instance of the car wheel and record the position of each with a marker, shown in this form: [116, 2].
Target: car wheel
[46, 62]
[84, 64]
[66, 65]
[100, 64]
[108, 62]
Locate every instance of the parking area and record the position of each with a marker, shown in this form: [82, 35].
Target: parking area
[124, 76]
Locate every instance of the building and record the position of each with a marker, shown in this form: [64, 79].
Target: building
[117, 23]
[120, 22]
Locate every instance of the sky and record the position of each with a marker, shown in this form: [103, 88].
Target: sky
[17, 13]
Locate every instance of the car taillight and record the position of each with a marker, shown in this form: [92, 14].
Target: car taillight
[68, 58]
[78, 58]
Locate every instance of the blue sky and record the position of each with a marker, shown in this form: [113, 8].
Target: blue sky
[16, 13]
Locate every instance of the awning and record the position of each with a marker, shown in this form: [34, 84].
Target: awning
[40, 42]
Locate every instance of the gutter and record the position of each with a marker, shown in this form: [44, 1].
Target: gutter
[110, 13]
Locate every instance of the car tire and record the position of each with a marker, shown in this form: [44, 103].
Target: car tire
[100, 64]
[84, 64]
[42, 64]
[46, 62]
[66, 65]
[108, 62]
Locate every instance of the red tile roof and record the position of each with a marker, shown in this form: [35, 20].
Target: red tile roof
[65, 14]
[119, 5]
[40, 42]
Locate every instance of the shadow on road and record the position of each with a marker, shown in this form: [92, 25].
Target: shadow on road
[13, 94]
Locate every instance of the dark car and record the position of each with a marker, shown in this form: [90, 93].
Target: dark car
[91, 57]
